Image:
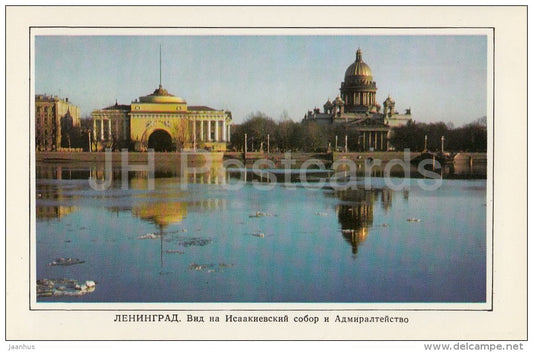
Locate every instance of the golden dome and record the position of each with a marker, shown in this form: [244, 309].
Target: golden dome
[161, 95]
[359, 68]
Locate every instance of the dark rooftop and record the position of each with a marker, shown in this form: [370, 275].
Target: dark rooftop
[118, 106]
[200, 108]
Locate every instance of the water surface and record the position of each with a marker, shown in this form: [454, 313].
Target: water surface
[194, 240]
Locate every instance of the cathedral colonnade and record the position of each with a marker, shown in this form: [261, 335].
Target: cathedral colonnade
[373, 140]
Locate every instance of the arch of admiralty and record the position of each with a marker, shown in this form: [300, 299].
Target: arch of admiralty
[161, 141]
[141, 133]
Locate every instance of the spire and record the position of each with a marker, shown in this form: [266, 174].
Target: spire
[359, 55]
[160, 84]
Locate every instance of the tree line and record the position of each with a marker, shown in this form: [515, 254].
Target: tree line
[471, 137]
[263, 132]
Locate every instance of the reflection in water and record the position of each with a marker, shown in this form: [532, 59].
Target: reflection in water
[386, 199]
[136, 179]
[161, 214]
[470, 170]
[46, 212]
[60, 172]
[356, 212]
[196, 228]
[166, 213]
[355, 221]
[47, 192]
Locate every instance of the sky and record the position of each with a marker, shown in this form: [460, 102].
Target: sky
[440, 77]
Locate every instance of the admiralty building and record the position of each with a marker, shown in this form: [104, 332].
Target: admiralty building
[160, 121]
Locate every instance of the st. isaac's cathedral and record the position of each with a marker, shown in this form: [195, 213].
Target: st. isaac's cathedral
[356, 109]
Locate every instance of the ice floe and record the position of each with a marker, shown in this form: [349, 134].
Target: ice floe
[63, 287]
[66, 261]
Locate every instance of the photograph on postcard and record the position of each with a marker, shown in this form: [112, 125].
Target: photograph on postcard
[307, 168]
[266, 173]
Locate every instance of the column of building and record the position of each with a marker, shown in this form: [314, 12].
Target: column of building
[220, 128]
[194, 133]
[224, 131]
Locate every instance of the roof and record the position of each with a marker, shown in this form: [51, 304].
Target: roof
[200, 108]
[117, 106]
[161, 95]
[359, 68]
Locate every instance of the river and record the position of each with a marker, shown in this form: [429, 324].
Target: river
[215, 237]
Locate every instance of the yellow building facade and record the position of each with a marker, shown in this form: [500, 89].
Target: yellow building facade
[111, 127]
[163, 122]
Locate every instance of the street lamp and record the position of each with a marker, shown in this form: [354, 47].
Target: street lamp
[346, 143]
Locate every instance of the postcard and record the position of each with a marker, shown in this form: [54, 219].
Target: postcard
[266, 173]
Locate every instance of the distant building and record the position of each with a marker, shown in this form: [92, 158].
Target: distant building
[163, 122]
[357, 110]
[55, 119]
